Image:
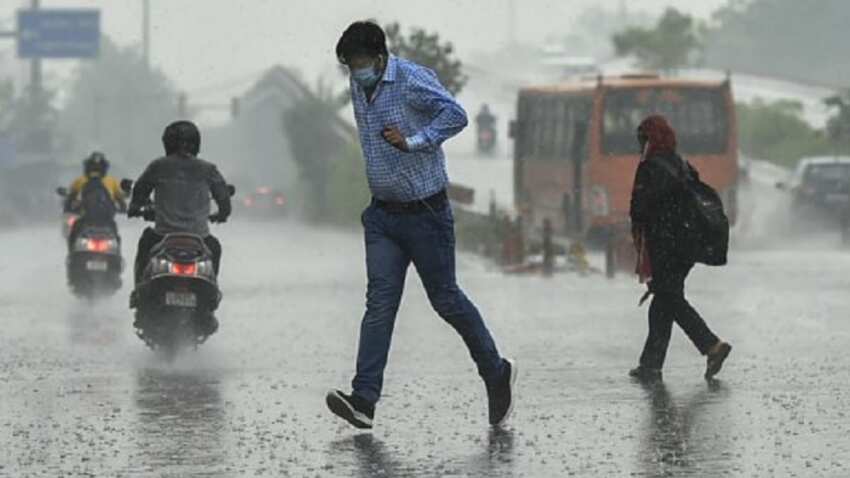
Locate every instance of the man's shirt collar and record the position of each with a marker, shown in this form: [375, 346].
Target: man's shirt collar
[391, 70]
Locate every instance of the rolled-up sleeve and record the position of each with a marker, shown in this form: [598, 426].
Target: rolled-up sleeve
[448, 118]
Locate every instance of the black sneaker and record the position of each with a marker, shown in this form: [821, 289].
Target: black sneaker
[645, 374]
[500, 395]
[351, 408]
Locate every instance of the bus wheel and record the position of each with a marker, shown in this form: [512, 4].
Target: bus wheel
[610, 258]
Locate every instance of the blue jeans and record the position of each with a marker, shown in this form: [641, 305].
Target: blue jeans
[427, 240]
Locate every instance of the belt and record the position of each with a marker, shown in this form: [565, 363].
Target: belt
[436, 202]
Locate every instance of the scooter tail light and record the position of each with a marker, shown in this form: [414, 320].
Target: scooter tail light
[99, 245]
[184, 268]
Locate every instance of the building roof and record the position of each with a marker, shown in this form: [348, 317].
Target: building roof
[588, 85]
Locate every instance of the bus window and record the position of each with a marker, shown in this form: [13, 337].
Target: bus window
[548, 129]
[577, 111]
[538, 123]
[699, 117]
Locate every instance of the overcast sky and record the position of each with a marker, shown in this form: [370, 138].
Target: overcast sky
[211, 48]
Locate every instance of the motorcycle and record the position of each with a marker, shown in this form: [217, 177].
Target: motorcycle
[486, 140]
[94, 263]
[178, 293]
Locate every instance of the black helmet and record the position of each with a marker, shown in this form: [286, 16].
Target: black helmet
[96, 163]
[181, 137]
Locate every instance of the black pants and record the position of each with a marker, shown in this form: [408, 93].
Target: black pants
[669, 305]
[150, 239]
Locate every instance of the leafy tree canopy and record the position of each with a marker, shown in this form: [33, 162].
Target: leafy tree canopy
[119, 105]
[427, 49]
[792, 39]
[667, 46]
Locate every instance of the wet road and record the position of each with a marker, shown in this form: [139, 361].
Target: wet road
[81, 396]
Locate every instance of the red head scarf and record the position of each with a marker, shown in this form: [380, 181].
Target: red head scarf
[661, 137]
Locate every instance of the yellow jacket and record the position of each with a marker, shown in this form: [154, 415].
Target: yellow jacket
[111, 184]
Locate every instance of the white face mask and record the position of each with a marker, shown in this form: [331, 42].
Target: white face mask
[367, 77]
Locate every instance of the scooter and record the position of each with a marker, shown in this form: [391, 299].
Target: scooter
[178, 293]
[486, 140]
[94, 263]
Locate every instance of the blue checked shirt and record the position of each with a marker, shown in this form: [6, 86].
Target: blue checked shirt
[411, 98]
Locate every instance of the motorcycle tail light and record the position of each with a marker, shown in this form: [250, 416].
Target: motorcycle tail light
[99, 245]
[184, 268]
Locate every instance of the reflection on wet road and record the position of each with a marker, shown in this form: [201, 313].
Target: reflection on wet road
[181, 423]
[669, 447]
[81, 396]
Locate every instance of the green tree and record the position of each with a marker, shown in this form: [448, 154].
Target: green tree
[669, 45]
[777, 132]
[792, 39]
[594, 27]
[426, 49]
[119, 105]
[27, 120]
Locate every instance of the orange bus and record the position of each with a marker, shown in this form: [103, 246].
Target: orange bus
[576, 151]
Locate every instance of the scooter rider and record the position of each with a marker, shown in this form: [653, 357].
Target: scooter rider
[182, 185]
[95, 196]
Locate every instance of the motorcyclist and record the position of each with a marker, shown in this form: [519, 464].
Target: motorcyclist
[485, 121]
[95, 196]
[485, 118]
[182, 185]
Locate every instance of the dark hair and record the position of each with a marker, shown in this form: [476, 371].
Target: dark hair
[361, 38]
[181, 137]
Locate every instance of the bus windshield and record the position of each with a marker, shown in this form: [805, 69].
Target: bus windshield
[698, 115]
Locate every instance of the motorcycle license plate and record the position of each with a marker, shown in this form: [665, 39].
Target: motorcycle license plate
[99, 266]
[181, 299]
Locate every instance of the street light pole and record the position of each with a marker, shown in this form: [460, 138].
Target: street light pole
[146, 31]
[35, 67]
[512, 22]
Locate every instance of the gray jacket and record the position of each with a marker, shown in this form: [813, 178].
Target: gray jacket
[182, 187]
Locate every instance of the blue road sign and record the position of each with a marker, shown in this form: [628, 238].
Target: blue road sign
[58, 33]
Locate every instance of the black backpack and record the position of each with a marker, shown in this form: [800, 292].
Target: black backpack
[96, 201]
[705, 227]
